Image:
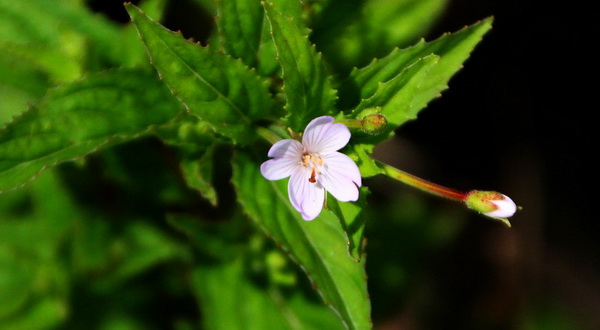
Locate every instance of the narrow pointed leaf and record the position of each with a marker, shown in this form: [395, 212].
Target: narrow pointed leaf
[319, 246]
[240, 27]
[218, 89]
[198, 173]
[397, 97]
[453, 50]
[79, 118]
[306, 85]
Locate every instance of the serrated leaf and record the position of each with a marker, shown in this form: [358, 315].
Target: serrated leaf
[351, 33]
[240, 27]
[79, 118]
[453, 50]
[396, 97]
[306, 84]
[21, 83]
[218, 89]
[319, 246]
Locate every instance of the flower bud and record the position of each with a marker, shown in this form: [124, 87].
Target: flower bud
[492, 204]
[374, 123]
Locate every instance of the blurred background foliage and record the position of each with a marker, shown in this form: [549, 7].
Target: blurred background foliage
[85, 245]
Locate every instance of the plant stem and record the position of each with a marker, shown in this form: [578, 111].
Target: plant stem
[268, 135]
[421, 184]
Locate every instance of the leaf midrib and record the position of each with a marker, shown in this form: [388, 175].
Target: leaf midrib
[195, 73]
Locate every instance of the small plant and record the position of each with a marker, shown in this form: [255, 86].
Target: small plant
[139, 137]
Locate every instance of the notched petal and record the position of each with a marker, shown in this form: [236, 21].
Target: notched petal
[324, 137]
[277, 169]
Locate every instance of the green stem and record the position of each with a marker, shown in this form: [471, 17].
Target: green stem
[421, 184]
[351, 123]
[268, 135]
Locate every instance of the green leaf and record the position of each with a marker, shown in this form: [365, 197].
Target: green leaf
[43, 213]
[352, 33]
[218, 240]
[80, 118]
[453, 50]
[64, 37]
[231, 300]
[21, 83]
[146, 247]
[352, 220]
[306, 86]
[198, 174]
[360, 154]
[218, 89]
[320, 247]
[397, 96]
[240, 27]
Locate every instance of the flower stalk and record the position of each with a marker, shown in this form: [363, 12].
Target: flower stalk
[421, 184]
[489, 203]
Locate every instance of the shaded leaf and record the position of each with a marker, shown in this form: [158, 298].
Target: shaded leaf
[198, 174]
[320, 246]
[351, 33]
[240, 27]
[231, 300]
[218, 89]
[21, 83]
[64, 37]
[306, 85]
[79, 118]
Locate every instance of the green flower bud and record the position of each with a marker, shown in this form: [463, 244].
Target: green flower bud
[492, 204]
[374, 124]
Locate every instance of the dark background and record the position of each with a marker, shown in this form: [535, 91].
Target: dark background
[519, 118]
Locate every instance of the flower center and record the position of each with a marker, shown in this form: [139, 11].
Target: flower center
[314, 162]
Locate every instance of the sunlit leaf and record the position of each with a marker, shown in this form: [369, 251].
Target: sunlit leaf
[351, 218]
[306, 85]
[397, 96]
[320, 246]
[218, 89]
[79, 118]
[453, 49]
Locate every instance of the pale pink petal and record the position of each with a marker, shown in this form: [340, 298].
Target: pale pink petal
[324, 137]
[286, 148]
[506, 208]
[340, 176]
[306, 197]
[279, 168]
[338, 162]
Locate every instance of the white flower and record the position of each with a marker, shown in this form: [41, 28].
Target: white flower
[505, 207]
[315, 166]
[491, 203]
